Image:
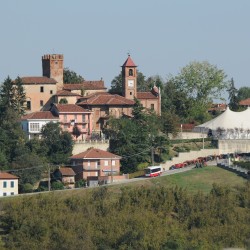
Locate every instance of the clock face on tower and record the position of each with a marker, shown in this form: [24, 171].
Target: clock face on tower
[131, 83]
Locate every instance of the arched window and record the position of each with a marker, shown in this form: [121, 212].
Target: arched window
[130, 72]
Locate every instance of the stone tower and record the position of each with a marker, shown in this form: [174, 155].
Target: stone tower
[129, 79]
[53, 68]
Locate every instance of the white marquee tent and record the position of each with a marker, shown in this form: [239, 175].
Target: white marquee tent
[228, 125]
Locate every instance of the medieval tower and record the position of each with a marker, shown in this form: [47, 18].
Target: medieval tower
[53, 68]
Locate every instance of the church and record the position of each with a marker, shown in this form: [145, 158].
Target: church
[43, 92]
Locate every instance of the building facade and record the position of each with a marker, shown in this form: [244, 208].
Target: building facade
[95, 163]
[8, 184]
[32, 123]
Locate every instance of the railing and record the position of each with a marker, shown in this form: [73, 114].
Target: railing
[98, 167]
[94, 141]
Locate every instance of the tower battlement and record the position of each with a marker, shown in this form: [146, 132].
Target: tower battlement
[52, 57]
[53, 68]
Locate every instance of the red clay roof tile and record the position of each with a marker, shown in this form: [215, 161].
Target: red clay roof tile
[40, 115]
[65, 93]
[38, 80]
[129, 63]
[245, 102]
[88, 85]
[66, 171]
[70, 108]
[104, 98]
[7, 176]
[146, 95]
[94, 153]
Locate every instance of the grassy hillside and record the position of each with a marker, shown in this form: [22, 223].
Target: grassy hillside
[167, 209]
[201, 179]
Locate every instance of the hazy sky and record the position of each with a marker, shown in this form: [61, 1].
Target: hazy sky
[95, 36]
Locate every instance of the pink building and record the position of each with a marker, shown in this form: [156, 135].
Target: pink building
[74, 119]
[95, 163]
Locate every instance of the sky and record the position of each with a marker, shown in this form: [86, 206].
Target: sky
[162, 36]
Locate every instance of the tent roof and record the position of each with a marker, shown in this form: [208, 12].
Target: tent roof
[228, 120]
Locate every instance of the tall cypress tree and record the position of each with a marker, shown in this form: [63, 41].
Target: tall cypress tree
[233, 99]
[20, 96]
[7, 94]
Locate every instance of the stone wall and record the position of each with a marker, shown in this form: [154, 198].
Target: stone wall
[234, 146]
[189, 135]
[187, 156]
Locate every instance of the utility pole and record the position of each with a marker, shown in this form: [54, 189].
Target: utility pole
[111, 171]
[49, 177]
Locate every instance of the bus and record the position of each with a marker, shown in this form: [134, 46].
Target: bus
[153, 171]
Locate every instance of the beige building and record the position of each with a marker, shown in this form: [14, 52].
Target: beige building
[8, 184]
[39, 92]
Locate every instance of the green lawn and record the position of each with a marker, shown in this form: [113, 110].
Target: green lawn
[195, 180]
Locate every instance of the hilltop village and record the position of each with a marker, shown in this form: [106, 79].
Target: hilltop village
[74, 134]
[78, 140]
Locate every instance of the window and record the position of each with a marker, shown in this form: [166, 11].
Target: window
[73, 163]
[12, 193]
[5, 184]
[75, 116]
[106, 163]
[65, 126]
[65, 118]
[130, 72]
[41, 103]
[130, 93]
[83, 118]
[12, 184]
[41, 89]
[4, 194]
[113, 163]
[84, 126]
[152, 106]
[34, 127]
[28, 105]
[88, 163]
[51, 92]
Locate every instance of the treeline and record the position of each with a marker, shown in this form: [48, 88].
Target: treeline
[25, 158]
[133, 218]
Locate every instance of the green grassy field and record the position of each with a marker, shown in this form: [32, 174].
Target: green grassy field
[195, 180]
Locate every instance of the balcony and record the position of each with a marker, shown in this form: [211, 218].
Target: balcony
[91, 168]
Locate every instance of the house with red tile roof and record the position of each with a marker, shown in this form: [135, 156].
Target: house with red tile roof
[71, 117]
[74, 119]
[86, 87]
[62, 95]
[65, 175]
[8, 184]
[95, 163]
[104, 105]
[245, 103]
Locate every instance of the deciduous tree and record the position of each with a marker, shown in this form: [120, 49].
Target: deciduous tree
[70, 76]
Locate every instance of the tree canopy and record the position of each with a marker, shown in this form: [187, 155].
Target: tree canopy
[70, 76]
[133, 138]
[58, 143]
[243, 93]
[190, 92]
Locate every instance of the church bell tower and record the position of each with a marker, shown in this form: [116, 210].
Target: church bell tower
[129, 79]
